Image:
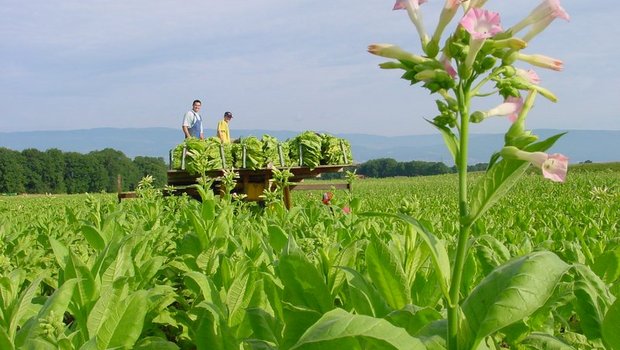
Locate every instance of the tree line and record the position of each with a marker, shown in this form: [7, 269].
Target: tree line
[388, 167]
[54, 171]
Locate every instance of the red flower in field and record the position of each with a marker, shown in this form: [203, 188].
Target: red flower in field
[327, 197]
[346, 210]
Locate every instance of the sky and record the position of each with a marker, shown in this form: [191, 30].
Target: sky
[275, 64]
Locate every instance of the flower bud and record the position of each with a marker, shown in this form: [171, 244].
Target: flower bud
[510, 43]
[477, 117]
[432, 48]
[394, 51]
[392, 65]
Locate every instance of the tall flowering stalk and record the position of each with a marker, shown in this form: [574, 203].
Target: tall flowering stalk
[480, 53]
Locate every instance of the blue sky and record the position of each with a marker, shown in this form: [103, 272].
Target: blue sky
[276, 64]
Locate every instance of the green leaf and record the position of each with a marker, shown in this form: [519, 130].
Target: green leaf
[210, 332]
[496, 183]
[364, 296]
[102, 308]
[338, 325]
[510, 293]
[201, 231]
[387, 274]
[201, 285]
[93, 237]
[238, 297]
[545, 341]
[149, 269]
[264, 326]
[413, 318]
[607, 265]
[22, 306]
[124, 323]
[61, 253]
[277, 238]
[437, 249]
[611, 336]
[56, 304]
[450, 139]
[151, 343]
[86, 288]
[592, 300]
[5, 342]
[304, 284]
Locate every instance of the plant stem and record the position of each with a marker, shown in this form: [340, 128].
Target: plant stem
[463, 98]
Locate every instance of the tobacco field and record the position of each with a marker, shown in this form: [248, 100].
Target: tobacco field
[362, 272]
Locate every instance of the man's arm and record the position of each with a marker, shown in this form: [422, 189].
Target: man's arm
[186, 131]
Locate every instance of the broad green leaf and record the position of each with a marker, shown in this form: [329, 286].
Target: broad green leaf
[450, 139]
[386, 273]
[437, 248]
[5, 342]
[499, 178]
[607, 265]
[149, 269]
[277, 238]
[94, 237]
[611, 326]
[55, 305]
[238, 297]
[297, 320]
[201, 285]
[413, 318]
[102, 308]
[337, 325]
[510, 293]
[544, 341]
[210, 331]
[123, 325]
[364, 296]
[304, 284]
[200, 229]
[22, 306]
[86, 289]
[434, 334]
[264, 326]
[61, 253]
[592, 300]
[39, 343]
[152, 343]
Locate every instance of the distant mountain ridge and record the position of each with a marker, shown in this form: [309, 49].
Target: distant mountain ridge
[578, 145]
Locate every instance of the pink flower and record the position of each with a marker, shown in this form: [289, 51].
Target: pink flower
[481, 24]
[447, 65]
[554, 166]
[402, 4]
[542, 61]
[511, 107]
[413, 10]
[346, 210]
[528, 75]
[540, 18]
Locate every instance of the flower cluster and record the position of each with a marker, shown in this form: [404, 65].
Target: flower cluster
[478, 53]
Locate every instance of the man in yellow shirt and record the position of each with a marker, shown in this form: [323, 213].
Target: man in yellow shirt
[223, 132]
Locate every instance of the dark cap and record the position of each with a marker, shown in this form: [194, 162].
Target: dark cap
[228, 114]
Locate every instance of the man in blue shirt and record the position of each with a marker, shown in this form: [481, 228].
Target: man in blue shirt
[192, 122]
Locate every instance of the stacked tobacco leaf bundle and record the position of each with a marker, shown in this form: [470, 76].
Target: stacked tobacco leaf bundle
[308, 149]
